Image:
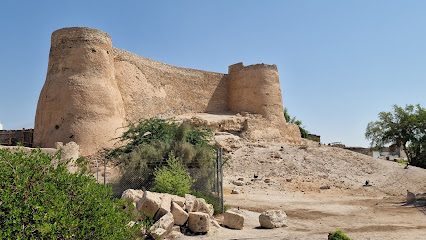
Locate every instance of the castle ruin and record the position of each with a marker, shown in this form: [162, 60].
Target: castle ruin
[93, 90]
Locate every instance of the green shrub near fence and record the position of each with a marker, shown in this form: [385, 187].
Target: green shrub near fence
[148, 143]
[172, 178]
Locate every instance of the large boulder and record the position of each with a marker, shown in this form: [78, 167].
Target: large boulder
[233, 220]
[198, 222]
[149, 204]
[134, 210]
[165, 206]
[238, 183]
[189, 202]
[162, 227]
[179, 200]
[179, 214]
[200, 205]
[132, 195]
[273, 219]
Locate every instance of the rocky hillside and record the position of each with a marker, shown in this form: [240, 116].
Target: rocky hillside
[310, 166]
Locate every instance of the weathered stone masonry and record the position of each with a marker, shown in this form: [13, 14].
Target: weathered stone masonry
[93, 90]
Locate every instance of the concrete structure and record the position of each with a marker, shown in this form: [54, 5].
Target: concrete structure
[1, 126]
[13, 137]
[390, 153]
[93, 90]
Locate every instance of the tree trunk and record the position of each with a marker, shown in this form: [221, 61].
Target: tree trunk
[407, 152]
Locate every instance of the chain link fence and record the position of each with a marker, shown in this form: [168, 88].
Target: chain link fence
[208, 181]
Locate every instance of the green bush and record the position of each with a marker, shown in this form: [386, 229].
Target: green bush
[41, 201]
[402, 161]
[338, 235]
[147, 143]
[172, 178]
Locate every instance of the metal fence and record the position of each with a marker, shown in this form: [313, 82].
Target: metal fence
[208, 181]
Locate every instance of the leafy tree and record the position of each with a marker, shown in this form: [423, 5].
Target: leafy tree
[39, 200]
[404, 127]
[154, 139]
[148, 143]
[303, 131]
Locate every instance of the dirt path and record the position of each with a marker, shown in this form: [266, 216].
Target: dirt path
[314, 215]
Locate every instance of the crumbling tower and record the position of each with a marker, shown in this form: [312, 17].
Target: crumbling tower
[80, 100]
[256, 89]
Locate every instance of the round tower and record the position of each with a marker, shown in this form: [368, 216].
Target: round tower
[256, 89]
[80, 100]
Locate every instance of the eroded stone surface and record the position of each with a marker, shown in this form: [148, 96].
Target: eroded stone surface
[198, 222]
[233, 220]
[273, 219]
[163, 226]
[132, 195]
[149, 204]
[165, 206]
[179, 214]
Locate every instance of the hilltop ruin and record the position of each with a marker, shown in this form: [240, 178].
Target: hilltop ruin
[93, 90]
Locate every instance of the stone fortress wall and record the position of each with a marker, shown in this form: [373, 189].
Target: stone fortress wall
[92, 91]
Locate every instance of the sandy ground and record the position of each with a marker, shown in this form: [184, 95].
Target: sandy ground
[297, 174]
[320, 188]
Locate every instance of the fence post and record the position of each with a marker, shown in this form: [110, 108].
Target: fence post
[97, 171]
[221, 179]
[105, 171]
[217, 173]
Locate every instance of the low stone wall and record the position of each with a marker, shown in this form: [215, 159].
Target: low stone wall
[69, 151]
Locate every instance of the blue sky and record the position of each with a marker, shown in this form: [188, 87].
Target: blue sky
[340, 62]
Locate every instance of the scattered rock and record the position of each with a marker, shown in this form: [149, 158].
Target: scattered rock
[267, 180]
[238, 183]
[179, 215]
[179, 200]
[175, 229]
[288, 180]
[214, 223]
[149, 204]
[132, 195]
[134, 211]
[273, 219]
[235, 191]
[276, 155]
[165, 206]
[325, 187]
[189, 202]
[411, 198]
[200, 205]
[175, 233]
[163, 226]
[240, 179]
[233, 220]
[198, 222]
